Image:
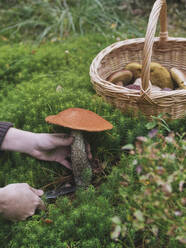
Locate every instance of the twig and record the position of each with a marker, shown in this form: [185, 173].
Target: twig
[61, 180]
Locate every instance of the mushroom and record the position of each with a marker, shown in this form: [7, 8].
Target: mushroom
[179, 77]
[79, 120]
[160, 76]
[119, 83]
[124, 76]
[135, 68]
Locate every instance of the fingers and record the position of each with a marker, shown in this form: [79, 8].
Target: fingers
[38, 192]
[61, 135]
[62, 139]
[67, 164]
[41, 205]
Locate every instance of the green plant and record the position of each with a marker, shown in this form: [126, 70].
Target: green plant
[157, 205]
[55, 20]
[158, 121]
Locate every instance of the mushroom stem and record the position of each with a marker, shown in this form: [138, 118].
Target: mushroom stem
[80, 164]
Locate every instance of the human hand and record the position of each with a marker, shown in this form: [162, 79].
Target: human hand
[19, 201]
[56, 147]
[43, 146]
[53, 147]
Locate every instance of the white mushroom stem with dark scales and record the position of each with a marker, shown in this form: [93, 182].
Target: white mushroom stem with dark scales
[80, 164]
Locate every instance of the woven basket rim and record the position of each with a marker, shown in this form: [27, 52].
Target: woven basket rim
[95, 77]
[126, 42]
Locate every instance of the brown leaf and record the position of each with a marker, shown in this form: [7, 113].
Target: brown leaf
[182, 240]
[166, 188]
[47, 221]
[125, 184]
[139, 147]
[142, 138]
[4, 38]
[160, 170]
[183, 201]
[171, 231]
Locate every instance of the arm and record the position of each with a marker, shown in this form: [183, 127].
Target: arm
[49, 147]
[19, 201]
[19, 141]
[4, 127]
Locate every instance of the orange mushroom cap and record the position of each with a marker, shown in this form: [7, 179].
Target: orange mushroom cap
[80, 119]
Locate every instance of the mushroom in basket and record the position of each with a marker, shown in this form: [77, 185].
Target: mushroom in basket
[121, 77]
[179, 77]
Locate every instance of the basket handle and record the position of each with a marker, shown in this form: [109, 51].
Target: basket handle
[159, 8]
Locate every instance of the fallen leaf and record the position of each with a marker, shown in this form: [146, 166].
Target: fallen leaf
[116, 220]
[139, 215]
[166, 188]
[116, 232]
[181, 239]
[128, 147]
[47, 221]
[150, 125]
[4, 38]
[113, 25]
[171, 231]
[183, 201]
[155, 230]
[123, 231]
[54, 39]
[142, 138]
[123, 6]
[160, 170]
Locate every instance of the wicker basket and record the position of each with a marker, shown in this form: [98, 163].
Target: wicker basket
[169, 52]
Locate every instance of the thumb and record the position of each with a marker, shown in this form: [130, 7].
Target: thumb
[38, 192]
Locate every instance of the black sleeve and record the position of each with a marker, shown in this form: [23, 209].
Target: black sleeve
[4, 126]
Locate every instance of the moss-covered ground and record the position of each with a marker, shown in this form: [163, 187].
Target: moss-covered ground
[137, 196]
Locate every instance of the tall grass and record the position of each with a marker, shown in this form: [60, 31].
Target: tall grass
[56, 19]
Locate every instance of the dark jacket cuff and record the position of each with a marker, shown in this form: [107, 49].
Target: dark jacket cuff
[4, 126]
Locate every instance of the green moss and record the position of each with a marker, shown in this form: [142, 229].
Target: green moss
[28, 94]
